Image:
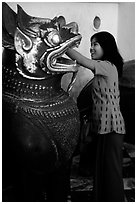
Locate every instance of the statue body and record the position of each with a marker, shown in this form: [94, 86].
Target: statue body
[40, 120]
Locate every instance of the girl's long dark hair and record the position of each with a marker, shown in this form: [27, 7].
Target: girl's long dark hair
[109, 46]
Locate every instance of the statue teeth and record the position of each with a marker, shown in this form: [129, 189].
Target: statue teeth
[54, 61]
[77, 44]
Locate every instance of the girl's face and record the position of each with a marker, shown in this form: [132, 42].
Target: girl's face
[96, 50]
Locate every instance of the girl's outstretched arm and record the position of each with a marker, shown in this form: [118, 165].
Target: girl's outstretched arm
[80, 59]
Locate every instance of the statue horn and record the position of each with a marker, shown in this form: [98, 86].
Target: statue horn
[8, 19]
[23, 18]
[8, 26]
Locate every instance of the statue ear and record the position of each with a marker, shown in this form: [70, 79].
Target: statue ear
[61, 21]
[22, 42]
[8, 26]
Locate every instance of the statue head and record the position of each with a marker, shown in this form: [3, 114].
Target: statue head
[39, 43]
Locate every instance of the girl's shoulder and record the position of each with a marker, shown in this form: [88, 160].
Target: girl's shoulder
[105, 62]
[104, 67]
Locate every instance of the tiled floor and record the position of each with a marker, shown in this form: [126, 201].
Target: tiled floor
[81, 186]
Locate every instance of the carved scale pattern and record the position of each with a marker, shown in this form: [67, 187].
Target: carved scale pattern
[36, 90]
[58, 114]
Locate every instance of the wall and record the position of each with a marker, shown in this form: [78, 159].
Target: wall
[114, 18]
[126, 30]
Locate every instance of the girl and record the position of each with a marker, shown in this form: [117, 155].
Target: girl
[107, 121]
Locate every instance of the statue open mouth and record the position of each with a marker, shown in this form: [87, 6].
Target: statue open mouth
[56, 62]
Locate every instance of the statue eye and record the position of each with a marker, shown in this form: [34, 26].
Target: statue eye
[53, 38]
[56, 39]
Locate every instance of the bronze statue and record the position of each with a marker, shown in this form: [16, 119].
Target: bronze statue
[40, 120]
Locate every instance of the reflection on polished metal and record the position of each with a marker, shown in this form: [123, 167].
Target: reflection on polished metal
[43, 121]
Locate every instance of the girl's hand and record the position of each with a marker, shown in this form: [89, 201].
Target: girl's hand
[81, 59]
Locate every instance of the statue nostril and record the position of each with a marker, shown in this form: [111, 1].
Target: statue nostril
[74, 28]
